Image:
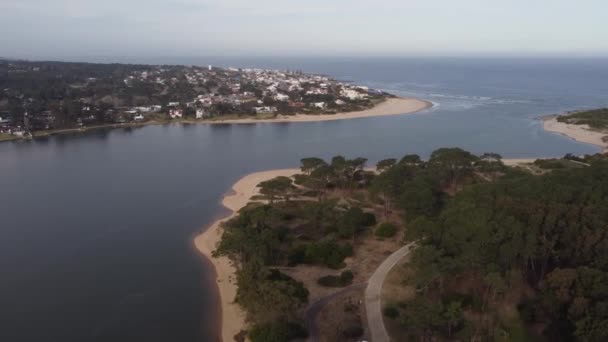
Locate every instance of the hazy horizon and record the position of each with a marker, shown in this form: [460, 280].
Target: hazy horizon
[468, 28]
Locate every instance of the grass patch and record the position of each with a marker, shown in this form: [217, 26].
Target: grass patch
[553, 164]
[8, 137]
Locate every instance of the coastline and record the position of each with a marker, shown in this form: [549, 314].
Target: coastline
[391, 106]
[580, 133]
[232, 316]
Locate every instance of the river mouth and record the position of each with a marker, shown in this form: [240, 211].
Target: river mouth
[96, 228]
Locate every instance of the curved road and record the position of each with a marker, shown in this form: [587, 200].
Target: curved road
[373, 305]
[373, 292]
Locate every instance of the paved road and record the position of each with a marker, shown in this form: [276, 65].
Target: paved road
[313, 310]
[373, 292]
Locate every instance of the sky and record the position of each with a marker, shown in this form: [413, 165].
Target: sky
[55, 28]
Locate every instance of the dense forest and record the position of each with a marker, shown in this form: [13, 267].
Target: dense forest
[523, 257]
[61, 90]
[502, 254]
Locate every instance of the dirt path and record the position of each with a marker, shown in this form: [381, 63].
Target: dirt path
[373, 299]
[313, 310]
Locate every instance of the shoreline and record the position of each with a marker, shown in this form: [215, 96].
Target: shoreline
[580, 133]
[390, 106]
[232, 317]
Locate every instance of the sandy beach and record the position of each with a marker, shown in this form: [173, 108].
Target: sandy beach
[233, 318]
[392, 106]
[580, 133]
[519, 161]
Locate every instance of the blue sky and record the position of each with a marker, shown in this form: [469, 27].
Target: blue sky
[55, 28]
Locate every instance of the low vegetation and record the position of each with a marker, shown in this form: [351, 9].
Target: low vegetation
[597, 118]
[344, 279]
[386, 230]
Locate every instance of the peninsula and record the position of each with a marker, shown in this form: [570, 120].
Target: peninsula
[588, 126]
[44, 98]
[306, 252]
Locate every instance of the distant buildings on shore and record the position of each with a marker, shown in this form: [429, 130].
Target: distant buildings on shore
[172, 92]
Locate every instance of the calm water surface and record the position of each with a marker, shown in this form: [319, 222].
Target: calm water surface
[96, 229]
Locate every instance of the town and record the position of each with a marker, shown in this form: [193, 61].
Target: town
[53, 96]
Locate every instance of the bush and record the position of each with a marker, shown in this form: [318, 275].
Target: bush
[300, 179]
[327, 252]
[548, 164]
[344, 279]
[296, 288]
[296, 255]
[386, 230]
[347, 277]
[368, 220]
[353, 330]
[391, 312]
[278, 331]
[351, 222]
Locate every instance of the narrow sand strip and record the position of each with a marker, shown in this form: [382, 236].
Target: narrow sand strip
[518, 161]
[580, 133]
[392, 106]
[233, 318]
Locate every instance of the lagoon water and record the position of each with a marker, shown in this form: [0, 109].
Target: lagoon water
[96, 229]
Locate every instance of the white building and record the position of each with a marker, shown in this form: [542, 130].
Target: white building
[200, 113]
[281, 97]
[176, 113]
[264, 110]
[352, 94]
[143, 109]
[138, 117]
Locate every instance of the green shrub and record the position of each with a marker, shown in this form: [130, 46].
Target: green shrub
[391, 312]
[278, 331]
[300, 179]
[327, 252]
[296, 255]
[344, 279]
[386, 230]
[297, 288]
[347, 277]
[353, 330]
[548, 164]
[368, 220]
